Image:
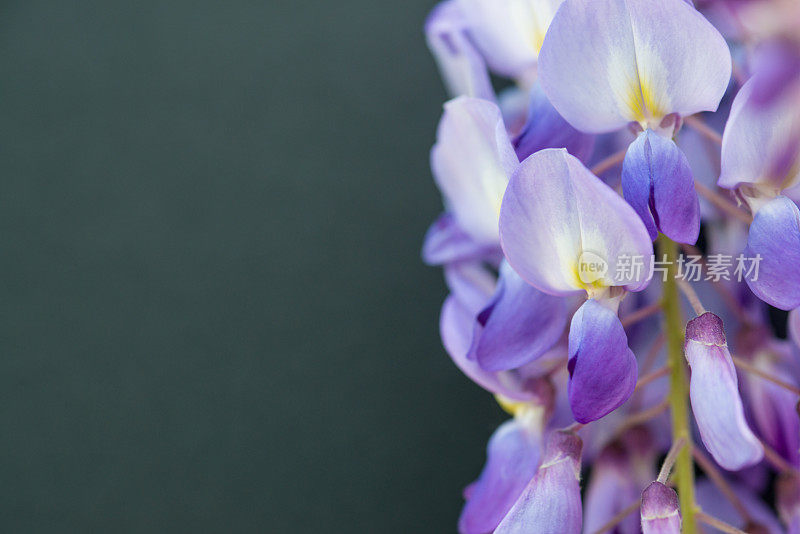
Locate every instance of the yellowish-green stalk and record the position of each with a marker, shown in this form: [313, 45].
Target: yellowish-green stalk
[679, 387]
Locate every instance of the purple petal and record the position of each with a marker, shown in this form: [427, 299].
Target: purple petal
[520, 324]
[602, 368]
[776, 66]
[660, 510]
[509, 33]
[512, 458]
[472, 283]
[637, 181]
[471, 162]
[611, 489]
[445, 242]
[555, 212]
[605, 63]
[462, 67]
[775, 236]
[714, 394]
[773, 408]
[760, 143]
[657, 181]
[456, 325]
[551, 502]
[545, 128]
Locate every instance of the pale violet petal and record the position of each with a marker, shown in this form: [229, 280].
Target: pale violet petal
[587, 65]
[774, 237]
[471, 162]
[684, 63]
[714, 394]
[463, 69]
[605, 63]
[512, 458]
[545, 128]
[551, 502]
[557, 217]
[760, 143]
[509, 33]
[519, 325]
[446, 242]
[456, 325]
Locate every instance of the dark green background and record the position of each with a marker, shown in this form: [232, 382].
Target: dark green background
[214, 316]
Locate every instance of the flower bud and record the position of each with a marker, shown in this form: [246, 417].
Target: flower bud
[714, 393]
[660, 510]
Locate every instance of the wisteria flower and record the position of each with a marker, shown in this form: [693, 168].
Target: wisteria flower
[588, 283]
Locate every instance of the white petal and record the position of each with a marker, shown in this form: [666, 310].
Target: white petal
[605, 63]
[472, 161]
[509, 33]
[555, 212]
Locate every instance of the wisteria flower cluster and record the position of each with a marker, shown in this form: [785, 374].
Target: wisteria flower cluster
[621, 242]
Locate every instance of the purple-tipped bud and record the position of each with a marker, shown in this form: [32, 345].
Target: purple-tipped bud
[660, 511]
[714, 392]
[551, 503]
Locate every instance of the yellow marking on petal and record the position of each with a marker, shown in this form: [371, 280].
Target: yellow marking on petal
[538, 40]
[510, 406]
[540, 15]
[643, 105]
[650, 83]
[634, 102]
[653, 109]
[593, 287]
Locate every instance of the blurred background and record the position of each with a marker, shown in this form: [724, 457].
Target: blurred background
[214, 315]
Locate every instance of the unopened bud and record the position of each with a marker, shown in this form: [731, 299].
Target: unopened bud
[714, 392]
[660, 510]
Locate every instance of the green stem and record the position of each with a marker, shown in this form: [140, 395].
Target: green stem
[678, 391]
